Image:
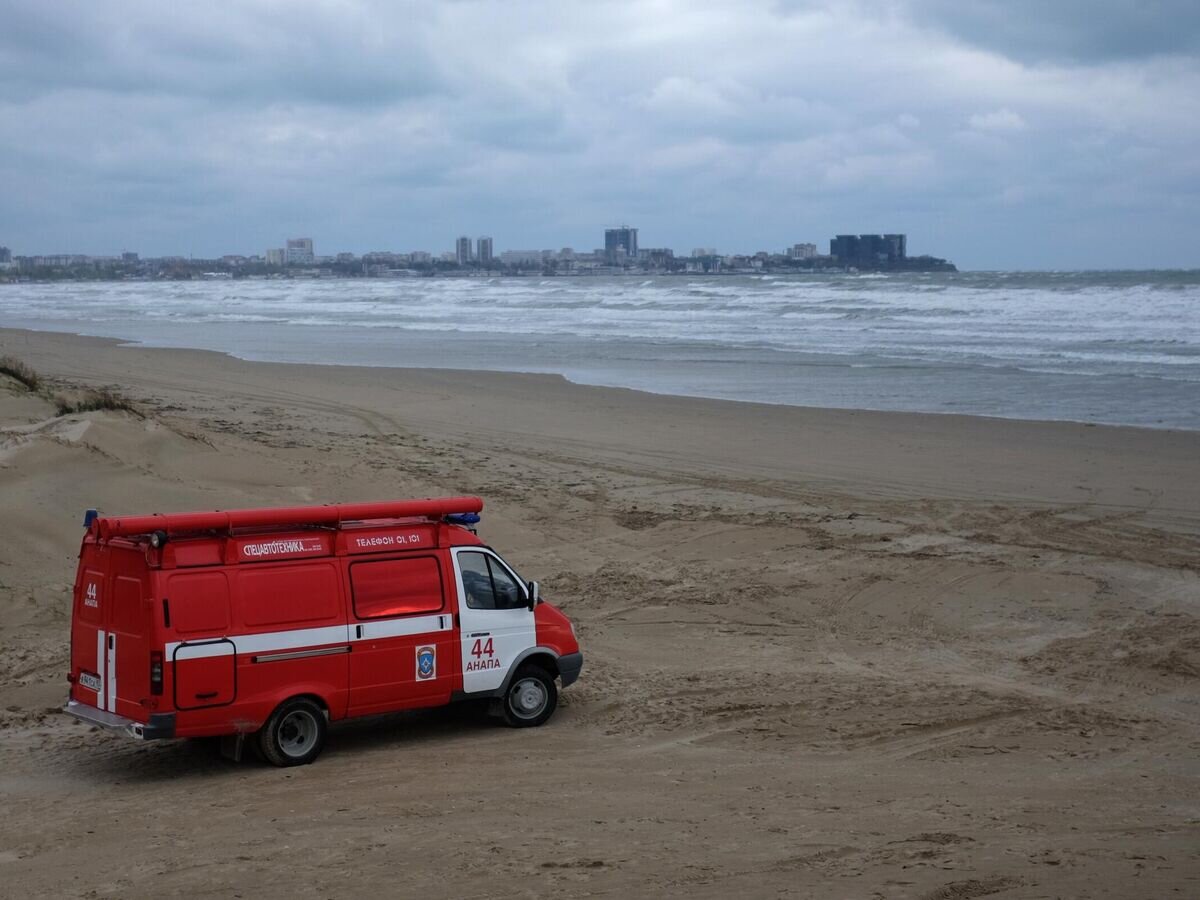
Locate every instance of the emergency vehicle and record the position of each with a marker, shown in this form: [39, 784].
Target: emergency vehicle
[272, 623]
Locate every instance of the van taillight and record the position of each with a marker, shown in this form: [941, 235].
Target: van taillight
[156, 667]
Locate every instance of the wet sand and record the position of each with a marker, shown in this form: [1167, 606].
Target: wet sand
[829, 653]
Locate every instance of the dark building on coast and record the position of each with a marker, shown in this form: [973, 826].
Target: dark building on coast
[620, 244]
[656, 257]
[869, 250]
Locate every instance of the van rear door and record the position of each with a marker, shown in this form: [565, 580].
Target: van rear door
[89, 633]
[110, 635]
[127, 665]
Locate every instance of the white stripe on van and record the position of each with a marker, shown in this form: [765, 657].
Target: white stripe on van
[101, 667]
[217, 647]
[261, 643]
[271, 641]
[110, 683]
[386, 628]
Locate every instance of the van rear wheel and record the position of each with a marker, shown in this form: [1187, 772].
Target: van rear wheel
[531, 698]
[294, 735]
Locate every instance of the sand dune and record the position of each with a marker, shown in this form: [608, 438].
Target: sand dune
[834, 654]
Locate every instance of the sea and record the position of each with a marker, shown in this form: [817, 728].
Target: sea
[1103, 347]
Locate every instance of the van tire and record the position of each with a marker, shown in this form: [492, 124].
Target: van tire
[294, 735]
[530, 698]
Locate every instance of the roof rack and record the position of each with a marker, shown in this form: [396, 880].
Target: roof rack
[332, 515]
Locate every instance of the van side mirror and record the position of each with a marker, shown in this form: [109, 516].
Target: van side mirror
[535, 594]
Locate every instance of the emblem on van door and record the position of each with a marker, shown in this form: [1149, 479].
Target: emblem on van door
[426, 662]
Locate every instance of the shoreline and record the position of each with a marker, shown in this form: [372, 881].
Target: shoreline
[144, 344]
[135, 344]
[899, 453]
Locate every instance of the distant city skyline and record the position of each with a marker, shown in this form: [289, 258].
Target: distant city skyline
[1012, 134]
[621, 240]
[620, 255]
[621, 248]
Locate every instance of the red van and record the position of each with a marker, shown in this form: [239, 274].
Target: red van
[274, 622]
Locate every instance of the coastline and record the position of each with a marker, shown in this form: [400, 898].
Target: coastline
[841, 445]
[703, 370]
[1006, 345]
[921, 650]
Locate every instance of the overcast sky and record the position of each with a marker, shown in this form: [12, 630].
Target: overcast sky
[998, 133]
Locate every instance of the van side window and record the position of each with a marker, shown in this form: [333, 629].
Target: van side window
[396, 587]
[487, 584]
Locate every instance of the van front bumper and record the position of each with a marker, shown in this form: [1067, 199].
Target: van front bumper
[569, 667]
[160, 726]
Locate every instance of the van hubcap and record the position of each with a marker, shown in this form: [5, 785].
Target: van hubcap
[527, 698]
[297, 733]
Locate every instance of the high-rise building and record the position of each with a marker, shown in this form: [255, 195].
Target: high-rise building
[462, 251]
[483, 250]
[869, 249]
[802, 251]
[300, 252]
[620, 244]
[844, 248]
[5, 255]
[276, 256]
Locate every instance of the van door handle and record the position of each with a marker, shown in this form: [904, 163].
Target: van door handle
[207, 696]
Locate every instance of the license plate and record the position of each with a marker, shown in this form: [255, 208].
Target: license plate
[90, 681]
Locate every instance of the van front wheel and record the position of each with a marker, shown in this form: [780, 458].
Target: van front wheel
[294, 735]
[531, 697]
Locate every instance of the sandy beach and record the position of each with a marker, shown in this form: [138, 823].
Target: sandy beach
[829, 653]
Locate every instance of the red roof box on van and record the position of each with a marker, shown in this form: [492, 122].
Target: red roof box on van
[332, 515]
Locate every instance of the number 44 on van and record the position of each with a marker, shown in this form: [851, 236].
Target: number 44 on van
[268, 624]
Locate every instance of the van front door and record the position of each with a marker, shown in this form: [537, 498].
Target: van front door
[497, 624]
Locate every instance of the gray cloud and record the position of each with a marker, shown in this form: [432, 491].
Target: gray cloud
[1079, 31]
[244, 54]
[995, 139]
